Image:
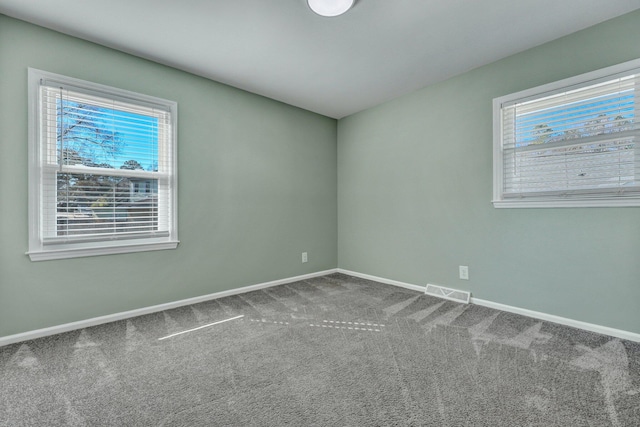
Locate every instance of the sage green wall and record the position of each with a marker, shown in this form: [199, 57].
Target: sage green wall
[257, 186]
[415, 188]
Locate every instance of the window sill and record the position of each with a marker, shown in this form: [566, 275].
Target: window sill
[51, 254]
[583, 203]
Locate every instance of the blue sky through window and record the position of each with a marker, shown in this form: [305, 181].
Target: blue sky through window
[604, 114]
[105, 137]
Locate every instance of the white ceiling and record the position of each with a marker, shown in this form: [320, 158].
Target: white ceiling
[377, 51]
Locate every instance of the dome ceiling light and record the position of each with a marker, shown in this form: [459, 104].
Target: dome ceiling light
[330, 7]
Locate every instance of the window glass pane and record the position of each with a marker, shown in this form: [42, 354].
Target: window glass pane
[605, 114]
[89, 204]
[96, 136]
[594, 166]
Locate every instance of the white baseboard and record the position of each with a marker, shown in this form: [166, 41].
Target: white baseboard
[38, 333]
[592, 327]
[605, 330]
[383, 280]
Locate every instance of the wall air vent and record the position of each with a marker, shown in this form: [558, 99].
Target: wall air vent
[447, 293]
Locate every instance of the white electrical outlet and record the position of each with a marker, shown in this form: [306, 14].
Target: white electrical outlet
[464, 272]
[304, 257]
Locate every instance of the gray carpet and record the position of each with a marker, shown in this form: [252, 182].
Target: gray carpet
[331, 351]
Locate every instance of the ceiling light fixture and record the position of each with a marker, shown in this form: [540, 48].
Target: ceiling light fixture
[330, 7]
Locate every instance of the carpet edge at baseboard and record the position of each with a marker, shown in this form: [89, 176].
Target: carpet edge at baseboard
[592, 327]
[66, 327]
[94, 321]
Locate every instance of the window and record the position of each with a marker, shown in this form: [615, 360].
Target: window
[102, 169]
[575, 142]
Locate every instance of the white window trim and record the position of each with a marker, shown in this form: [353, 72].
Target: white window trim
[37, 250]
[552, 202]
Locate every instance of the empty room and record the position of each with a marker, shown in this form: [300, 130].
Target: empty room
[320, 213]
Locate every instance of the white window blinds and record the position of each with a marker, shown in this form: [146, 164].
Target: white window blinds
[106, 167]
[577, 142]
